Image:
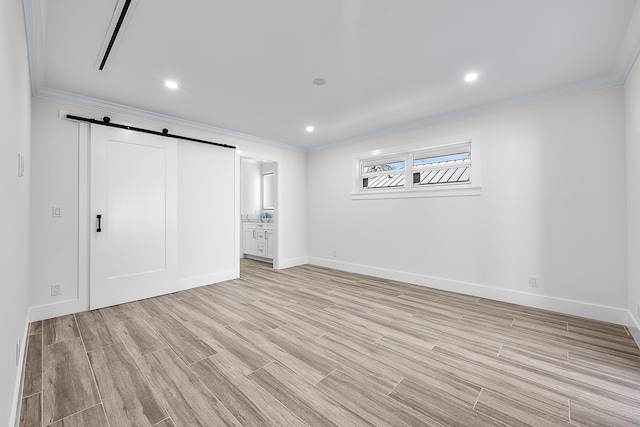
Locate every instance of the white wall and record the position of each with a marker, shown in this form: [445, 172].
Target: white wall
[632, 112]
[15, 120]
[552, 205]
[56, 167]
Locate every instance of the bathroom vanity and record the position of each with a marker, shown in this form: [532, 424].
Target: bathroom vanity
[258, 239]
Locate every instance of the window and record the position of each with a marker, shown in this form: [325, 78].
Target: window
[425, 170]
[383, 173]
[451, 165]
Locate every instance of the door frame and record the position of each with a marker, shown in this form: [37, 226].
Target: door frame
[276, 203]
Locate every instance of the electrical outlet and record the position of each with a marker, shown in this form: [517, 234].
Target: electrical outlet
[335, 253]
[533, 281]
[56, 289]
[18, 351]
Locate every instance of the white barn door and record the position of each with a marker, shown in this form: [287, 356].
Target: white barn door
[134, 240]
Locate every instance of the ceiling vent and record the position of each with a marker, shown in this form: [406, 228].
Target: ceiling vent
[119, 21]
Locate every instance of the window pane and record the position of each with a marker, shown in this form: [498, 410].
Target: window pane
[381, 166]
[384, 181]
[443, 176]
[459, 157]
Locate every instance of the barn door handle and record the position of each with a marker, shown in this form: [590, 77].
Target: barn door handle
[99, 223]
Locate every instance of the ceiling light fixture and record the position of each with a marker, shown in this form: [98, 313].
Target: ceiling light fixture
[309, 129]
[319, 81]
[471, 77]
[171, 84]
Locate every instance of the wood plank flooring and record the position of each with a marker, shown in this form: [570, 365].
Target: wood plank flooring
[309, 346]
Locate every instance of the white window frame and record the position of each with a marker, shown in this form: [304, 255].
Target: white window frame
[435, 147]
[384, 159]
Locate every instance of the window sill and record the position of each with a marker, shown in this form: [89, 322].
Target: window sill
[449, 191]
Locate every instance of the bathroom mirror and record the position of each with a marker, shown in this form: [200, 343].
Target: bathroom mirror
[267, 191]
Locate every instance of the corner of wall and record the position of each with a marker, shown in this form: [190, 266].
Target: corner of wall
[17, 389]
[634, 327]
[292, 262]
[632, 156]
[62, 308]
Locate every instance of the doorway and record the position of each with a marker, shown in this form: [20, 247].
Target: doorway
[258, 210]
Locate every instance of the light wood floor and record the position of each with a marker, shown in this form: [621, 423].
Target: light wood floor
[312, 346]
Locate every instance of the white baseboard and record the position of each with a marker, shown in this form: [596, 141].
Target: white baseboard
[17, 390]
[62, 308]
[560, 305]
[634, 327]
[292, 262]
[206, 279]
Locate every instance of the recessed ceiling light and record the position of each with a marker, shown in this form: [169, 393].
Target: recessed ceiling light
[471, 77]
[309, 129]
[171, 84]
[319, 81]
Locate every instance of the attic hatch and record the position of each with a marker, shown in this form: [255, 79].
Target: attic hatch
[121, 17]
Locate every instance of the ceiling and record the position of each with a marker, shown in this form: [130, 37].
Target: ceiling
[247, 66]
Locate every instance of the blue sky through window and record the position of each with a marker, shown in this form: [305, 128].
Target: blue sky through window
[438, 159]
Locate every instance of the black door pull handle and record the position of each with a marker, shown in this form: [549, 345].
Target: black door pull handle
[99, 224]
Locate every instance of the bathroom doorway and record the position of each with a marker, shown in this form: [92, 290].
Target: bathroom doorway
[258, 210]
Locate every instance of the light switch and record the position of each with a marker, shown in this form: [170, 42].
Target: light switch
[56, 212]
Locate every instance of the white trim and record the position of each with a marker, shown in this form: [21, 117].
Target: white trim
[56, 309]
[16, 406]
[629, 49]
[62, 308]
[84, 217]
[291, 262]
[482, 110]
[634, 327]
[407, 152]
[136, 113]
[35, 15]
[237, 245]
[444, 191]
[259, 258]
[244, 154]
[560, 305]
[205, 279]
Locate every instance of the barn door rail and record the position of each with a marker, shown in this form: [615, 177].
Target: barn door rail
[106, 121]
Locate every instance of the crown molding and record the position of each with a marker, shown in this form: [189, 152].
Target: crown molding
[111, 107]
[630, 47]
[35, 25]
[602, 82]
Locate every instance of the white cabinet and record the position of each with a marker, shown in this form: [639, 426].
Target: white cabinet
[271, 242]
[258, 239]
[249, 241]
